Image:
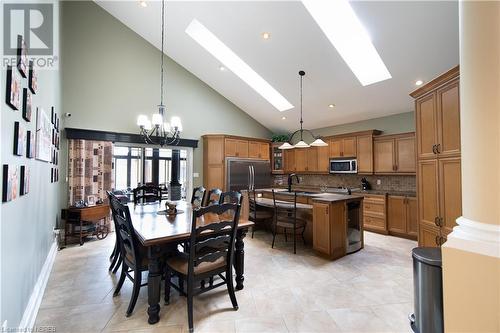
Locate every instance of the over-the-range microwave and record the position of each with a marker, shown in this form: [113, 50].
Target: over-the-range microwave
[343, 165]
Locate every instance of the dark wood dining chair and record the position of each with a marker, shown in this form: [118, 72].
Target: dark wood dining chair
[211, 254]
[146, 193]
[254, 214]
[213, 197]
[198, 197]
[285, 216]
[133, 254]
[233, 197]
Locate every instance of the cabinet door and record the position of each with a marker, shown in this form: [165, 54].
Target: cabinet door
[396, 214]
[428, 236]
[301, 159]
[448, 105]
[323, 159]
[335, 148]
[450, 187]
[312, 159]
[264, 151]
[230, 147]
[349, 147]
[215, 147]
[214, 177]
[405, 155]
[289, 155]
[242, 148]
[321, 228]
[411, 217]
[427, 123]
[428, 192]
[383, 151]
[365, 154]
[253, 149]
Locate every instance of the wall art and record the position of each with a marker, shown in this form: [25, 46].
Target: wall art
[43, 136]
[22, 56]
[27, 102]
[32, 79]
[19, 139]
[25, 180]
[30, 144]
[13, 88]
[10, 182]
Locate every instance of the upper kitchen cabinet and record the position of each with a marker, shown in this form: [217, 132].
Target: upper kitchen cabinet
[364, 149]
[343, 147]
[236, 148]
[394, 154]
[258, 150]
[437, 113]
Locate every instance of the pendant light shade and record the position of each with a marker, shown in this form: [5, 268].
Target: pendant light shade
[301, 144]
[319, 143]
[286, 145]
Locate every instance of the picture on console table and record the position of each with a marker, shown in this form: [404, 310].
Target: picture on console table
[27, 104]
[30, 144]
[32, 79]
[43, 136]
[25, 180]
[13, 88]
[9, 183]
[19, 139]
[22, 56]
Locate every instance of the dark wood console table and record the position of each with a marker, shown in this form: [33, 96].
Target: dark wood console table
[90, 221]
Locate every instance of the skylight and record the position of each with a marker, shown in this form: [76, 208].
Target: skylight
[344, 30]
[231, 61]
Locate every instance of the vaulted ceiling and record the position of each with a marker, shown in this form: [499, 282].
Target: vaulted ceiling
[417, 40]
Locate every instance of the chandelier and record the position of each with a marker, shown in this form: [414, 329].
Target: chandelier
[318, 142]
[157, 131]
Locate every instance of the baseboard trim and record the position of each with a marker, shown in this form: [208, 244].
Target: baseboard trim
[31, 311]
[476, 237]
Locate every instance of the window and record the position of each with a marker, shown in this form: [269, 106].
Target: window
[127, 162]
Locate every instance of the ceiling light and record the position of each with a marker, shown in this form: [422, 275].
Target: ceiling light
[344, 30]
[331, 106]
[266, 35]
[143, 3]
[222, 68]
[285, 145]
[283, 118]
[419, 82]
[235, 64]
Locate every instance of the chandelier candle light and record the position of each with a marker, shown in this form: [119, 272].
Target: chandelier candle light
[318, 142]
[156, 131]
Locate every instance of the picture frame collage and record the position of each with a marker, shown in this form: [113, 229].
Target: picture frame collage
[21, 85]
[55, 143]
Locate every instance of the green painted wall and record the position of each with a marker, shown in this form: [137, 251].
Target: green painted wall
[111, 75]
[398, 123]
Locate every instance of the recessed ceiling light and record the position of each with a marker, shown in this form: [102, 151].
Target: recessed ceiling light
[331, 106]
[419, 82]
[143, 3]
[222, 68]
[342, 27]
[283, 118]
[266, 35]
[235, 64]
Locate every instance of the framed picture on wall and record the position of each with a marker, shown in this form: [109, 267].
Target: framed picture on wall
[30, 144]
[43, 136]
[27, 104]
[13, 88]
[32, 78]
[22, 56]
[19, 139]
[25, 180]
[10, 181]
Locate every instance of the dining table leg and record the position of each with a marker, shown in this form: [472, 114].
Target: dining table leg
[239, 260]
[154, 284]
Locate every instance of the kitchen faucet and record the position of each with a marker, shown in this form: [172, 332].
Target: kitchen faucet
[290, 178]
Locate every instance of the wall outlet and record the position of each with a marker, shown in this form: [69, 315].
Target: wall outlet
[196, 175]
[379, 182]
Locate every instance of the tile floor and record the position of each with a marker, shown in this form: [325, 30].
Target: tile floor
[369, 291]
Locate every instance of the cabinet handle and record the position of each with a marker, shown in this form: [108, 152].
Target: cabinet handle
[434, 149]
[437, 241]
[438, 148]
[441, 240]
[327, 210]
[436, 221]
[441, 221]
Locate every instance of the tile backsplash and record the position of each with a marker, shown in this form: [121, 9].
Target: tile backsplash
[387, 183]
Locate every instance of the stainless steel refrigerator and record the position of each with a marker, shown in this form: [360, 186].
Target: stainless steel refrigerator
[247, 174]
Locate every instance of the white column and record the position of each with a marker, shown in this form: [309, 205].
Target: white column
[471, 256]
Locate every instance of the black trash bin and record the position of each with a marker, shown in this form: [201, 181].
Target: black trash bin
[428, 291]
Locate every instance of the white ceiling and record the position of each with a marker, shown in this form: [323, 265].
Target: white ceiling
[416, 40]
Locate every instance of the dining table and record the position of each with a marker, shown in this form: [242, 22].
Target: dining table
[161, 233]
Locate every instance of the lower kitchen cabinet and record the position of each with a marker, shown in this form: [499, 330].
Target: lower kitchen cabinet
[374, 213]
[329, 229]
[402, 216]
[429, 236]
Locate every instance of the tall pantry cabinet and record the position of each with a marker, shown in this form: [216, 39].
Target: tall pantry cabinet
[439, 187]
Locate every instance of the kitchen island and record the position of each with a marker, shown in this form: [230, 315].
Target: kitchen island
[334, 221]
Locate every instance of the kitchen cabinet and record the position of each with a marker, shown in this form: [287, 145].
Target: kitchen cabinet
[323, 159]
[330, 229]
[217, 147]
[278, 159]
[343, 147]
[401, 217]
[307, 160]
[312, 159]
[437, 107]
[321, 227]
[300, 159]
[374, 213]
[394, 154]
[289, 155]
[364, 149]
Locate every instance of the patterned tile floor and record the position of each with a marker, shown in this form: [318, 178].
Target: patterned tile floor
[369, 291]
